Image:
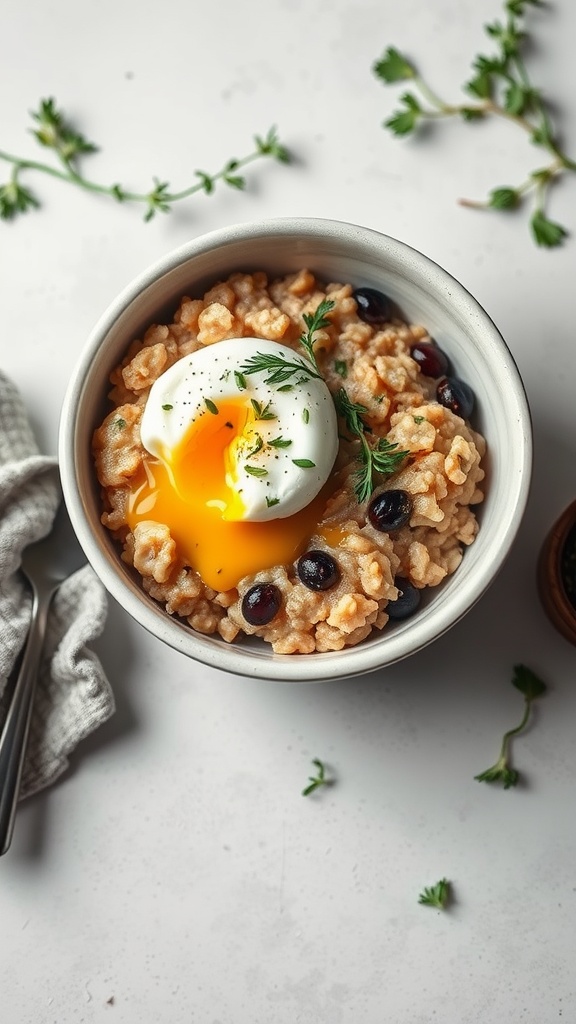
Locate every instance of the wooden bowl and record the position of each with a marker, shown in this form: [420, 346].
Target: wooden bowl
[557, 574]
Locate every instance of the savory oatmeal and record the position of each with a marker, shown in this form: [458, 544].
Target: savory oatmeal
[290, 460]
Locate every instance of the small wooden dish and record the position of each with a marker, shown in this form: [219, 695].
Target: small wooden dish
[557, 574]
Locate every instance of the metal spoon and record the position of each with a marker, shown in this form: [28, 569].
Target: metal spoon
[45, 565]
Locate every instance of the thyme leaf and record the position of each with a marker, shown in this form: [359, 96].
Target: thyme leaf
[319, 779]
[436, 895]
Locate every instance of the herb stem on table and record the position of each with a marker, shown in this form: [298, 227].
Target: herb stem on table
[501, 87]
[502, 771]
[53, 131]
[319, 779]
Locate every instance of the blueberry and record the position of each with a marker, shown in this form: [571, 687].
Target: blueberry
[456, 395]
[432, 361]
[390, 510]
[317, 570]
[407, 602]
[261, 603]
[373, 306]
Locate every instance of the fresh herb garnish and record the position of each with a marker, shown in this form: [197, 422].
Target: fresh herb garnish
[54, 131]
[263, 412]
[280, 369]
[210, 405]
[383, 457]
[318, 780]
[279, 442]
[341, 367]
[532, 687]
[315, 321]
[500, 86]
[167, 407]
[256, 471]
[119, 423]
[272, 501]
[436, 895]
[257, 446]
[240, 380]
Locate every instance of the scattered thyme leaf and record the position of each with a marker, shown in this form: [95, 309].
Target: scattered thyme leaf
[211, 406]
[318, 780]
[240, 379]
[257, 447]
[501, 86]
[531, 687]
[119, 423]
[304, 463]
[263, 412]
[272, 501]
[306, 415]
[256, 471]
[167, 407]
[279, 442]
[341, 367]
[436, 895]
[53, 130]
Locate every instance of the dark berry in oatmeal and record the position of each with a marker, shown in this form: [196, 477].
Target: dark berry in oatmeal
[390, 510]
[317, 570]
[456, 395]
[432, 361]
[261, 603]
[373, 306]
[408, 600]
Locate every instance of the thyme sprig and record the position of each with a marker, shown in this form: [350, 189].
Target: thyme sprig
[383, 457]
[278, 367]
[54, 131]
[500, 86]
[532, 687]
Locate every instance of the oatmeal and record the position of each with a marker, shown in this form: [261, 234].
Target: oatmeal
[286, 460]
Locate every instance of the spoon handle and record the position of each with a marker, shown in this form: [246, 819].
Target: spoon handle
[14, 738]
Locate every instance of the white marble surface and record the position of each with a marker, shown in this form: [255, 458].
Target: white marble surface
[176, 874]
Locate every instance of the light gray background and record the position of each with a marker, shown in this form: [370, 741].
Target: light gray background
[176, 874]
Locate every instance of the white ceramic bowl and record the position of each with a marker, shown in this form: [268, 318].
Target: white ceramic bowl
[426, 294]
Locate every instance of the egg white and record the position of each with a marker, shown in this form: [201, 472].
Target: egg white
[304, 416]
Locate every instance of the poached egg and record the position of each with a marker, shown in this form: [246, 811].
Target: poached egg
[238, 465]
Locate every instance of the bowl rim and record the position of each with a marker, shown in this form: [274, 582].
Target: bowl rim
[351, 661]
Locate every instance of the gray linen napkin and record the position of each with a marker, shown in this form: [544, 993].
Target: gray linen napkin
[73, 695]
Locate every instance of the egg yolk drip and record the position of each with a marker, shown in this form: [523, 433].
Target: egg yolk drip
[197, 492]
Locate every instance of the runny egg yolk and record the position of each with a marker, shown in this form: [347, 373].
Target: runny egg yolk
[196, 490]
